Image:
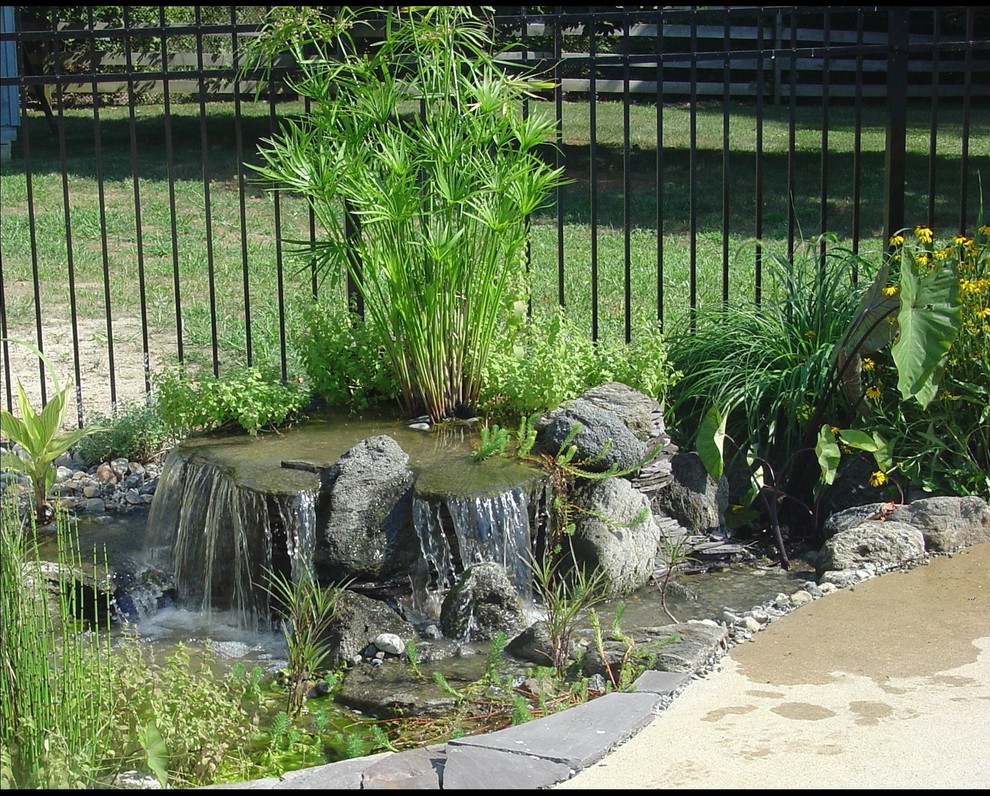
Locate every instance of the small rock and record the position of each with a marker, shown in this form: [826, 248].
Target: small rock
[389, 643]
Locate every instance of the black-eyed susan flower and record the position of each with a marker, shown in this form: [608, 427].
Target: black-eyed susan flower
[890, 290]
[878, 478]
[873, 392]
[868, 364]
[896, 240]
[924, 234]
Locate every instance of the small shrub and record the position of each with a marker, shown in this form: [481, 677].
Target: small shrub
[247, 398]
[548, 359]
[134, 431]
[344, 359]
[943, 447]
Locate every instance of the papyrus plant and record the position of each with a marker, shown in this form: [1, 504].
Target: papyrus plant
[422, 169]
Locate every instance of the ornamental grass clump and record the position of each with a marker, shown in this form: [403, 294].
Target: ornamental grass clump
[422, 169]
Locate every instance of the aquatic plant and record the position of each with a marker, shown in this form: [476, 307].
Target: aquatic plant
[420, 166]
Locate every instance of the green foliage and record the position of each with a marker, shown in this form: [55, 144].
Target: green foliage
[492, 441]
[565, 591]
[203, 727]
[343, 356]
[308, 609]
[550, 359]
[135, 432]
[439, 195]
[40, 440]
[942, 440]
[243, 397]
[56, 689]
[765, 368]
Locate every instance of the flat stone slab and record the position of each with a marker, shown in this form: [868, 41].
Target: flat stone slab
[416, 769]
[660, 683]
[578, 736]
[478, 768]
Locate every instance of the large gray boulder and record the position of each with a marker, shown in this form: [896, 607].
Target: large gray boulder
[366, 498]
[642, 415]
[948, 523]
[885, 544]
[615, 533]
[359, 620]
[603, 440]
[684, 647]
[482, 604]
[692, 497]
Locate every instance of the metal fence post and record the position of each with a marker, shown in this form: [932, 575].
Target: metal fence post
[896, 158]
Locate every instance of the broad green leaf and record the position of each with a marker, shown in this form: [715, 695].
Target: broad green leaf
[828, 453]
[928, 321]
[154, 747]
[710, 441]
[858, 439]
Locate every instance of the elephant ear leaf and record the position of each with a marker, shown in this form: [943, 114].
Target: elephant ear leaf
[710, 441]
[928, 321]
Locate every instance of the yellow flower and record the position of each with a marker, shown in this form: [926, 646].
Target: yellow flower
[961, 240]
[878, 478]
[923, 234]
[868, 364]
[873, 392]
[940, 254]
[897, 240]
[984, 230]
[921, 259]
[809, 334]
[890, 290]
[835, 429]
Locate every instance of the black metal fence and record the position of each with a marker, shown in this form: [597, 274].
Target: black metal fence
[698, 140]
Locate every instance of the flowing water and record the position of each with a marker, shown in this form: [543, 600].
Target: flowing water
[227, 509]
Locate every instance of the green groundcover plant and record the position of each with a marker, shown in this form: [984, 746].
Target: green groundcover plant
[942, 447]
[423, 171]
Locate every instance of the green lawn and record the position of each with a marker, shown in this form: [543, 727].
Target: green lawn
[215, 257]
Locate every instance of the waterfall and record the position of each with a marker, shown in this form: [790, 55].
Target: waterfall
[456, 532]
[220, 539]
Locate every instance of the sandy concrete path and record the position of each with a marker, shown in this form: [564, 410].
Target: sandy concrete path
[882, 685]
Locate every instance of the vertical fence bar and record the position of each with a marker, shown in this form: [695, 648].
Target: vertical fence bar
[693, 168]
[593, 169]
[135, 177]
[791, 135]
[242, 186]
[626, 186]
[895, 157]
[857, 142]
[170, 176]
[823, 187]
[726, 176]
[524, 63]
[279, 264]
[758, 164]
[101, 200]
[933, 134]
[39, 335]
[660, 164]
[558, 99]
[70, 266]
[207, 208]
[967, 100]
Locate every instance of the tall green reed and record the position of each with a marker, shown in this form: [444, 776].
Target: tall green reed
[56, 685]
